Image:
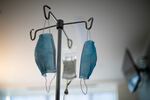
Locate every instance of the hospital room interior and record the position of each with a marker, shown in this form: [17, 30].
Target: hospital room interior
[74, 50]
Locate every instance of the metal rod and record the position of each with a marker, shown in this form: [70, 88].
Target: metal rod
[75, 22]
[58, 75]
[34, 37]
[88, 28]
[86, 25]
[58, 65]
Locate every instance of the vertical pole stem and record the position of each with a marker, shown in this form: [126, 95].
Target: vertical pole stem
[58, 75]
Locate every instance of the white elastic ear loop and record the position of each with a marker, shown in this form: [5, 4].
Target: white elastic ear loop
[44, 25]
[86, 87]
[88, 35]
[48, 25]
[48, 87]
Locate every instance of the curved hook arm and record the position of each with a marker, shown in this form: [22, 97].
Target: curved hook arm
[47, 17]
[85, 22]
[32, 38]
[44, 10]
[91, 23]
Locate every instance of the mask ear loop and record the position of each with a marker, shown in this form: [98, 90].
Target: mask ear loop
[48, 25]
[48, 87]
[44, 25]
[86, 87]
[88, 35]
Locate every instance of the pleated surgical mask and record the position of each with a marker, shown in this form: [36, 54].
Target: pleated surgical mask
[45, 54]
[88, 60]
[69, 70]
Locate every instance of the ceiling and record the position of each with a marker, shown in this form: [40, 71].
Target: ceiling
[117, 24]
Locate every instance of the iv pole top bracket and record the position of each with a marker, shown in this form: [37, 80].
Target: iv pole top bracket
[60, 24]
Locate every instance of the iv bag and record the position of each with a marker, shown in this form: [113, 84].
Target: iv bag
[69, 71]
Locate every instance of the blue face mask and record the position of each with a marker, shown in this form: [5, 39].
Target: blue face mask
[45, 54]
[88, 59]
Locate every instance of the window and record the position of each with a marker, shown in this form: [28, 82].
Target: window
[104, 96]
[27, 98]
[75, 96]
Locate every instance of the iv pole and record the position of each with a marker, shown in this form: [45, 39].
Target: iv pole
[60, 25]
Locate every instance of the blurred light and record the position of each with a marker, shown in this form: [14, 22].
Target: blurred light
[7, 97]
